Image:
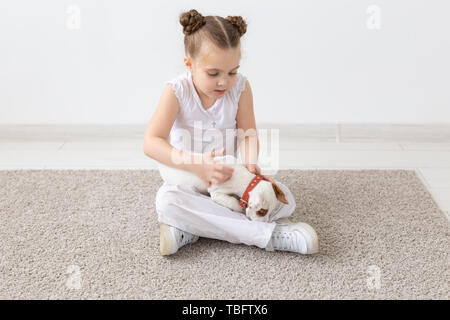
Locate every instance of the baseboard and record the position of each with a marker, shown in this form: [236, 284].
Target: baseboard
[340, 132]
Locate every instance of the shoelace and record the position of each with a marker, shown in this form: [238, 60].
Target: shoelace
[288, 240]
[185, 238]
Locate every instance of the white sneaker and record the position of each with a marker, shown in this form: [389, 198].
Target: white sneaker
[296, 237]
[171, 239]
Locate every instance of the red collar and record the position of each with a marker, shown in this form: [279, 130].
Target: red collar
[244, 200]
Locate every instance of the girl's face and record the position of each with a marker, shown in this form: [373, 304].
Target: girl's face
[216, 70]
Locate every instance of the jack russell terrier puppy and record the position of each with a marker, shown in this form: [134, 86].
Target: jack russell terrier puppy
[257, 198]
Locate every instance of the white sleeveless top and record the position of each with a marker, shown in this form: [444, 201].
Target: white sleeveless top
[200, 130]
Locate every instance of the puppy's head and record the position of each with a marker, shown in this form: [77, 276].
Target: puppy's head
[263, 200]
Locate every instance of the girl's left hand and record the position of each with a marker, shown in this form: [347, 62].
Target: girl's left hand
[254, 168]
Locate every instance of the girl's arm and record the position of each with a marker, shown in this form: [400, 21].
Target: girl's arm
[246, 125]
[156, 144]
[247, 134]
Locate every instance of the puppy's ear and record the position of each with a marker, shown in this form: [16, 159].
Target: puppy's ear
[279, 194]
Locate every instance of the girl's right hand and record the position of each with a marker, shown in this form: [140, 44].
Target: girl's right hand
[212, 172]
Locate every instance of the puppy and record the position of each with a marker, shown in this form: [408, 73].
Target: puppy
[262, 199]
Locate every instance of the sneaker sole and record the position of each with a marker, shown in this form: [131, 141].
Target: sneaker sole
[167, 245]
[312, 238]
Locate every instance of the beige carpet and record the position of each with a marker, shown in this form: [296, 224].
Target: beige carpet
[71, 234]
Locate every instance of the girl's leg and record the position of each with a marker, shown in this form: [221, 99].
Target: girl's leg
[188, 210]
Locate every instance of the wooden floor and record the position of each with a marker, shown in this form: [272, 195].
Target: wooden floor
[423, 149]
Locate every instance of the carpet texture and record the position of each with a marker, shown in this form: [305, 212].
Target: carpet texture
[93, 234]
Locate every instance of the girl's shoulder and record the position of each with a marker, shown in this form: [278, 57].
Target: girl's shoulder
[239, 86]
[180, 86]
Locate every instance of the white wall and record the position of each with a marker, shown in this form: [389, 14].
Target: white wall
[311, 61]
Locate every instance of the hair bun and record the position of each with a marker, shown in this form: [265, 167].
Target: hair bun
[191, 21]
[239, 23]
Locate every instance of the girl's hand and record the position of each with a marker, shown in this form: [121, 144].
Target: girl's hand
[211, 172]
[254, 168]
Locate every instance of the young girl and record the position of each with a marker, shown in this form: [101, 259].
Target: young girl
[212, 97]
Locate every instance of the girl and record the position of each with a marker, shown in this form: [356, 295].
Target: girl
[214, 99]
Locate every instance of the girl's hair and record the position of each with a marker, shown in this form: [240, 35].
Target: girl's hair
[224, 33]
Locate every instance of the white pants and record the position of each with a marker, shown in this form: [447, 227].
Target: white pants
[186, 209]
